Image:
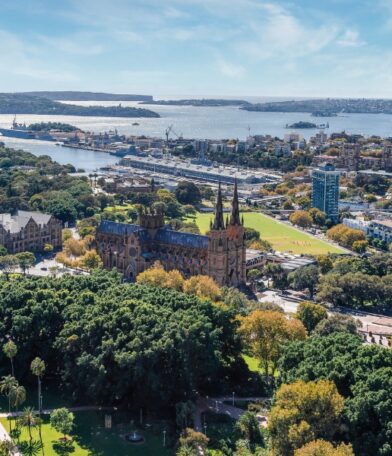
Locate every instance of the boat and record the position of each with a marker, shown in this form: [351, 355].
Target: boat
[136, 123]
[21, 131]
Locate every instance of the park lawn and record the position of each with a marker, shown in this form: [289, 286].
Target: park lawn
[254, 366]
[49, 436]
[92, 439]
[282, 237]
[119, 207]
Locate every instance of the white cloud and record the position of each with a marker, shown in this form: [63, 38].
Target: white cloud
[230, 69]
[281, 34]
[350, 38]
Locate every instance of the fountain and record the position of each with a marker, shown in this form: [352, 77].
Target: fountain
[134, 437]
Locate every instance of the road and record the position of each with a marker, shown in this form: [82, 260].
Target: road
[375, 328]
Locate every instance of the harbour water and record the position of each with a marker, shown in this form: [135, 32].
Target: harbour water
[191, 122]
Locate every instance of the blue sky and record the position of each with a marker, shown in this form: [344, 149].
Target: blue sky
[198, 47]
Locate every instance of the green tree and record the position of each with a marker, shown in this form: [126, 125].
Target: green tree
[305, 278]
[10, 350]
[8, 264]
[310, 314]
[7, 384]
[25, 260]
[337, 323]
[29, 421]
[188, 193]
[248, 428]
[62, 420]
[38, 369]
[325, 263]
[273, 271]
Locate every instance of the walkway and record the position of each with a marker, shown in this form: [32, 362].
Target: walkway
[5, 436]
[217, 405]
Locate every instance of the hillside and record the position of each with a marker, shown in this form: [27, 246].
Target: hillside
[87, 96]
[19, 103]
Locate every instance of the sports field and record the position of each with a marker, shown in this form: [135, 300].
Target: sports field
[283, 238]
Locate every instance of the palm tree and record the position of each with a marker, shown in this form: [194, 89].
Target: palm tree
[28, 420]
[18, 396]
[7, 384]
[38, 369]
[10, 350]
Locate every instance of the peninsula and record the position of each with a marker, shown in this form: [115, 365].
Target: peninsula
[20, 103]
[67, 95]
[327, 105]
[205, 102]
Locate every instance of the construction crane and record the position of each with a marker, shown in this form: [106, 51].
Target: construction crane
[169, 130]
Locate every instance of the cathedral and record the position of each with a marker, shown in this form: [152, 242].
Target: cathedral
[133, 248]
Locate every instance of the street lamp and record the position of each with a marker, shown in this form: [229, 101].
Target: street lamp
[216, 405]
[205, 428]
[164, 438]
[233, 398]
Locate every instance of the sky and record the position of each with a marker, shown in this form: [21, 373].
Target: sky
[298, 48]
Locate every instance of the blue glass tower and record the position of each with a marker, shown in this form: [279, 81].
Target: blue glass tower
[325, 190]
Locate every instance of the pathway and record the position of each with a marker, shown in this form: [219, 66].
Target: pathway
[5, 436]
[217, 405]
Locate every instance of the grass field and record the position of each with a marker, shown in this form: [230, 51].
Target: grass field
[92, 439]
[283, 238]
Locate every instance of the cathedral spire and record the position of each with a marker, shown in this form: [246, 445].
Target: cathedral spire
[218, 221]
[235, 210]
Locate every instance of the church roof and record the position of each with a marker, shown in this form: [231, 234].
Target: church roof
[167, 236]
[163, 235]
[120, 229]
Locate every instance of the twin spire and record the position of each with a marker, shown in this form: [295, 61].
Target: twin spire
[235, 210]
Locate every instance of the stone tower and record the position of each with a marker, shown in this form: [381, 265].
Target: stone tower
[226, 245]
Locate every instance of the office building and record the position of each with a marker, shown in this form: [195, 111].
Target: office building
[325, 190]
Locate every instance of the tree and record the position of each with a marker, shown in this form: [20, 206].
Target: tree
[3, 250]
[323, 448]
[8, 264]
[325, 263]
[188, 193]
[273, 271]
[360, 246]
[319, 218]
[25, 260]
[361, 373]
[194, 440]
[301, 219]
[62, 420]
[18, 396]
[10, 350]
[29, 421]
[38, 369]
[302, 412]
[305, 277]
[248, 428]
[264, 333]
[7, 384]
[184, 414]
[345, 236]
[91, 260]
[337, 323]
[251, 235]
[48, 248]
[310, 314]
[203, 287]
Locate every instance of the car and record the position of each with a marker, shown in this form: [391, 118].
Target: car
[44, 269]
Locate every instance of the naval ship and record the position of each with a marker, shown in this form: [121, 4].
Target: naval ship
[21, 131]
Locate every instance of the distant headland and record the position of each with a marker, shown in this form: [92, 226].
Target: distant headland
[22, 103]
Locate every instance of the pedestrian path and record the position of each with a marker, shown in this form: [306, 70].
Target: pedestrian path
[5, 436]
